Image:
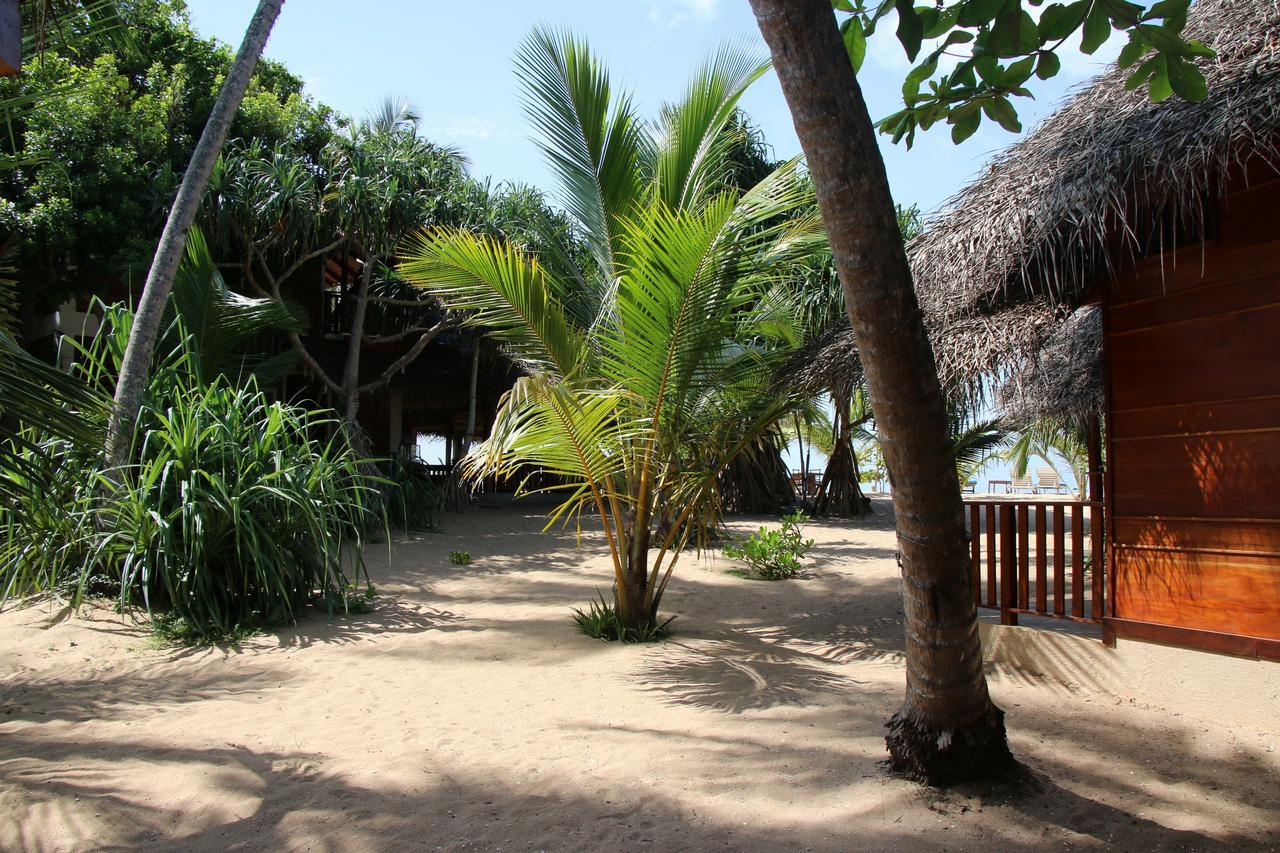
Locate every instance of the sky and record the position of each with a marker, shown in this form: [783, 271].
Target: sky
[453, 62]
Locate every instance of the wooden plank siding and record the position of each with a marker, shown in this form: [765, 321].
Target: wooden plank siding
[1192, 345]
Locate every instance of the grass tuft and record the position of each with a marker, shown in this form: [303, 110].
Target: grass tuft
[600, 621]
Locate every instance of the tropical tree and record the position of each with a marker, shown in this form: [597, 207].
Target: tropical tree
[1051, 438]
[103, 120]
[947, 728]
[277, 216]
[645, 375]
[173, 240]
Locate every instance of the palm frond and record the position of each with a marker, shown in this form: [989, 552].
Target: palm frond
[511, 297]
[593, 139]
[692, 146]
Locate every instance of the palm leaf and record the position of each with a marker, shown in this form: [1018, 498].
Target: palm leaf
[693, 144]
[595, 142]
[511, 297]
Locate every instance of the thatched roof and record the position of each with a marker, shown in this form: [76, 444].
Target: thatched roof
[1010, 256]
[1064, 379]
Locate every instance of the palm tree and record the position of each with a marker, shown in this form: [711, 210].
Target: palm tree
[646, 373]
[149, 317]
[1049, 437]
[947, 728]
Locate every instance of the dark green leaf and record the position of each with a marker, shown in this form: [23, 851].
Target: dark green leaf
[1134, 50]
[855, 41]
[918, 75]
[1059, 21]
[1097, 29]
[1017, 73]
[966, 126]
[943, 22]
[1143, 73]
[1048, 65]
[1186, 80]
[910, 29]
[999, 110]
[1160, 87]
[989, 69]
[976, 13]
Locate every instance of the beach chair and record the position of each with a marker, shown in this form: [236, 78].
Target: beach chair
[1022, 484]
[970, 488]
[1048, 480]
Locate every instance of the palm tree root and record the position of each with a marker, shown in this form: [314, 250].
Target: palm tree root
[925, 754]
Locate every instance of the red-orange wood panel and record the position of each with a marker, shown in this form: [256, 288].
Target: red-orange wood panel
[1212, 592]
[1247, 535]
[1193, 362]
[1233, 475]
[1253, 413]
[1221, 357]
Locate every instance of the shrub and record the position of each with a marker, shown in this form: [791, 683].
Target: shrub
[235, 513]
[460, 558]
[601, 622]
[413, 501]
[774, 554]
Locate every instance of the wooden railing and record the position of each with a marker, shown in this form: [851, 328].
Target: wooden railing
[1029, 556]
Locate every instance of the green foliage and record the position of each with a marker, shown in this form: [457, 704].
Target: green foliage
[1050, 437]
[413, 501]
[652, 367]
[103, 128]
[236, 511]
[600, 621]
[774, 554]
[974, 442]
[460, 558]
[1000, 46]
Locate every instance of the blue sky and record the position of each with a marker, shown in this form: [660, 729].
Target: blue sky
[453, 62]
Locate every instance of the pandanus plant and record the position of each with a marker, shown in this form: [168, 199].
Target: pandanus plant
[650, 369]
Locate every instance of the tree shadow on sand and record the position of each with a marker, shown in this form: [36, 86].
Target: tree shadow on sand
[272, 800]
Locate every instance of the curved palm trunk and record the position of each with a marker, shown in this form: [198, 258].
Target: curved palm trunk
[947, 728]
[136, 363]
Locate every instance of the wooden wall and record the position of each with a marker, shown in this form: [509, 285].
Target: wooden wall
[1193, 364]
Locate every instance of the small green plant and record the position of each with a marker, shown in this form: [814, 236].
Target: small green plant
[599, 621]
[460, 558]
[774, 555]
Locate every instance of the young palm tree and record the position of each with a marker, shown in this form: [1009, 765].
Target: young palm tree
[652, 369]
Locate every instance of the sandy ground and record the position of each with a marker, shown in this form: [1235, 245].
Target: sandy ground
[466, 713]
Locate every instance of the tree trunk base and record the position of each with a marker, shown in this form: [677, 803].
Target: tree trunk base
[941, 759]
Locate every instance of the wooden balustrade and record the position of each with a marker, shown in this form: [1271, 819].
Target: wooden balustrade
[1029, 561]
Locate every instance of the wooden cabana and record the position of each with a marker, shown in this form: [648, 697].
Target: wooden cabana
[1165, 218]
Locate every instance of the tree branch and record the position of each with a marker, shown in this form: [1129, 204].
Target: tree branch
[395, 336]
[414, 351]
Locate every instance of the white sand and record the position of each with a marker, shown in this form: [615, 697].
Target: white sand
[466, 713]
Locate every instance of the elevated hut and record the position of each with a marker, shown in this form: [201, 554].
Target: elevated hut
[1165, 218]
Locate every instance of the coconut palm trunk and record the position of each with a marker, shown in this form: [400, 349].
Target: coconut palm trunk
[164, 267]
[947, 728]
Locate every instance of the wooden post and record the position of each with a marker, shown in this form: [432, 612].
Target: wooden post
[1093, 428]
[1008, 567]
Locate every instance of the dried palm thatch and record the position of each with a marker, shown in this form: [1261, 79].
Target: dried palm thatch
[1063, 381]
[1007, 259]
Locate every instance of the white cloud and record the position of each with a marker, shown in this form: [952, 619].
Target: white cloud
[672, 13]
[472, 128]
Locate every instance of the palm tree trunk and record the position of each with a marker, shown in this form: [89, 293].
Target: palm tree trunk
[146, 322]
[351, 372]
[947, 728]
